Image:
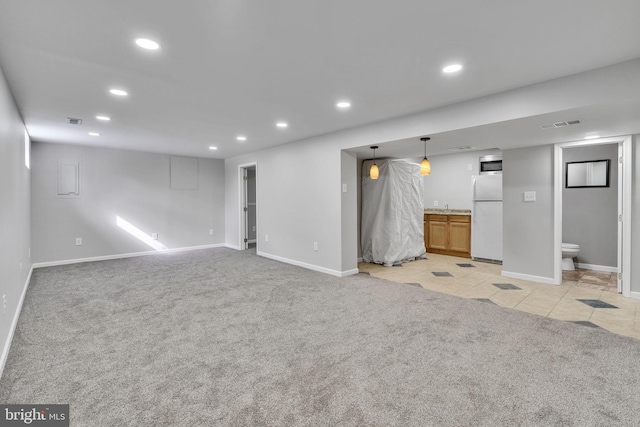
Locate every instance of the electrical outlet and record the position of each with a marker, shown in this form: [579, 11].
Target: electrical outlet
[470, 167]
[154, 236]
[266, 237]
[435, 203]
[344, 188]
[254, 228]
[78, 241]
[315, 246]
[4, 305]
[211, 232]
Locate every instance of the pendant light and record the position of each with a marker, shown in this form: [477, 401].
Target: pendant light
[425, 165]
[373, 171]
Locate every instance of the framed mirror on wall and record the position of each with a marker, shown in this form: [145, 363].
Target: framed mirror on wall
[592, 173]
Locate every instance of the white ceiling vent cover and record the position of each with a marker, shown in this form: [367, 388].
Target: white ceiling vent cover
[73, 121]
[560, 124]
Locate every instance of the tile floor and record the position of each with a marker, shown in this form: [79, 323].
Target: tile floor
[586, 297]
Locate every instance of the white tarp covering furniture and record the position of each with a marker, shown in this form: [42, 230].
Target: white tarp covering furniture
[392, 228]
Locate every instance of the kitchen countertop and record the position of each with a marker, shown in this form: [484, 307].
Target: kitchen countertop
[437, 211]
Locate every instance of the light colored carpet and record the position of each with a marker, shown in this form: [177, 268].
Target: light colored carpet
[220, 337]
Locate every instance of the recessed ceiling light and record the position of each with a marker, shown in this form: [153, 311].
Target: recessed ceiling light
[94, 134]
[213, 148]
[241, 138]
[148, 44]
[103, 118]
[118, 92]
[343, 104]
[452, 68]
[592, 137]
[282, 124]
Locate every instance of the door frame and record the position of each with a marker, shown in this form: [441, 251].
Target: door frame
[242, 197]
[625, 182]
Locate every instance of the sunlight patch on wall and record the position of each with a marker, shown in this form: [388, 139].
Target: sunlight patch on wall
[139, 234]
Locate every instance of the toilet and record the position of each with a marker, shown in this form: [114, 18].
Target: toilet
[569, 251]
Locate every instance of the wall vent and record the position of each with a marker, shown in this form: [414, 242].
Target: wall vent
[560, 124]
[73, 121]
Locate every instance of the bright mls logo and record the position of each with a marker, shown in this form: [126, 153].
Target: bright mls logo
[34, 415]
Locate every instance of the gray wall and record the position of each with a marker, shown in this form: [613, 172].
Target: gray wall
[15, 211]
[528, 237]
[299, 202]
[350, 232]
[450, 179]
[132, 185]
[590, 215]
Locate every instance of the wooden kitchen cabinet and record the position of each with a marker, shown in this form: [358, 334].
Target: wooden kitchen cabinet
[436, 232]
[448, 234]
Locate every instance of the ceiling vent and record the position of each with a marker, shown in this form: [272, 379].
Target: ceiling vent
[73, 121]
[463, 148]
[560, 124]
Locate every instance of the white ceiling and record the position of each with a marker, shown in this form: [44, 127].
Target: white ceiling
[235, 67]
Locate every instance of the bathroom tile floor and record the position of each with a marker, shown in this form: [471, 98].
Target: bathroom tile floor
[589, 298]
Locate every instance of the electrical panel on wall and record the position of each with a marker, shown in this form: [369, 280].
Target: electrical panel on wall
[68, 179]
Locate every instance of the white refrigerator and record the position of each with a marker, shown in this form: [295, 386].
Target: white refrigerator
[486, 217]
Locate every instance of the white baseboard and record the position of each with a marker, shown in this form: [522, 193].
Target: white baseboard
[634, 295]
[309, 266]
[349, 272]
[597, 267]
[531, 278]
[14, 324]
[237, 248]
[121, 256]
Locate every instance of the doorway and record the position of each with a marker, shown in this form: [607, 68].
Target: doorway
[623, 247]
[248, 206]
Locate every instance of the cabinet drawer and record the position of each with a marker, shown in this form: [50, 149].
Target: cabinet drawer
[437, 218]
[459, 218]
